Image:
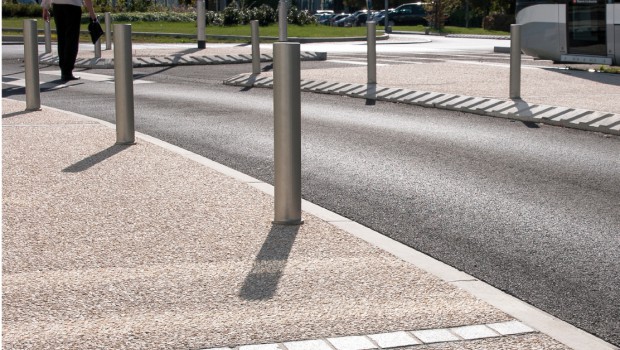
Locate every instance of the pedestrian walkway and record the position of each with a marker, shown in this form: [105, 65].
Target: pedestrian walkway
[153, 247]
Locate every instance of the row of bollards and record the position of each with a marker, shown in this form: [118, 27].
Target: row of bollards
[123, 77]
[286, 99]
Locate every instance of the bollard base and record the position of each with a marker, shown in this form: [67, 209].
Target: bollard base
[288, 222]
[129, 143]
[36, 109]
[202, 44]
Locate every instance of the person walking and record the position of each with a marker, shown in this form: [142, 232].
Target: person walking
[67, 16]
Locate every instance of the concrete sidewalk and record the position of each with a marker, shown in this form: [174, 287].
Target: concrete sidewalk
[152, 247]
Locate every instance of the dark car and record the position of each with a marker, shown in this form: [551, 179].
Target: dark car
[407, 14]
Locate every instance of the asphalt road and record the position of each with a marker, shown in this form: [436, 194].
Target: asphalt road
[531, 209]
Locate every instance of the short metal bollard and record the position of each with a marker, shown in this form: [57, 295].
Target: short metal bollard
[98, 48]
[515, 61]
[108, 31]
[255, 47]
[48, 37]
[201, 19]
[123, 87]
[371, 28]
[287, 133]
[31, 65]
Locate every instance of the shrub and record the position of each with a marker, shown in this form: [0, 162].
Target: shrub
[498, 21]
[21, 10]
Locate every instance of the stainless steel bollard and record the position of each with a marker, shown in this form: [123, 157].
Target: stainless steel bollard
[255, 47]
[123, 87]
[287, 133]
[48, 37]
[108, 31]
[283, 21]
[372, 51]
[31, 65]
[201, 19]
[515, 61]
[98, 48]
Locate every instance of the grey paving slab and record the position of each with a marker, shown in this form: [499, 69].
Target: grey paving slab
[509, 328]
[394, 339]
[591, 118]
[578, 113]
[607, 121]
[471, 103]
[451, 104]
[352, 343]
[474, 332]
[260, 347]
[318, 344]
[552, 113]
[435, 336]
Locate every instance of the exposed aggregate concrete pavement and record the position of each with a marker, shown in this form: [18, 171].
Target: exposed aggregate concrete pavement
[137, 247]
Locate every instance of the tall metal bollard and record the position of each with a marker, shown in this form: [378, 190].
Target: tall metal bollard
[283, 21]
[123, 87]
[108, 31]
[255, 47]
[31, 64]
[515, 61]
[287, 133]
[372, 51]
[48, 37]
[201, 19]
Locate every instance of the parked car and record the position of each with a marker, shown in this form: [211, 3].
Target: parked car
[356, 19]
[407, 14]
[336, 18]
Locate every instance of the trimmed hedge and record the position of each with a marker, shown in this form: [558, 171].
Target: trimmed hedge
[231, 15]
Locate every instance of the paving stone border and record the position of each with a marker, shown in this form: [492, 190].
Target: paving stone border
[176, 60]
[397, 339]
[604, 122]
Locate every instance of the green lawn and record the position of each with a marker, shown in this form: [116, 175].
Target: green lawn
[308, 31]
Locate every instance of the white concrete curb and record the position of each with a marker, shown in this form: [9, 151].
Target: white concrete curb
[604, 122]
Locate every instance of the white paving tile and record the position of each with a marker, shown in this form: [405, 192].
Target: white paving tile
[435, 336]
[308, 345]
[395, 339]
[260, 347]
[352, 343]
[474, 332]
[510, 327]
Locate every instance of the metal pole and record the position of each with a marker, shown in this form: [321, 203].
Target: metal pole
[515, 61]
[386, 18]
[255, 47]
[98, 48]
[283, 21]
[201, 23]
[371, 29]
[123, 87]
[108, 31]
[48, 37]
[287, 133]
[31, 65]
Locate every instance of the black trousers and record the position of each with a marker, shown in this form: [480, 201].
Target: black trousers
[67, 19]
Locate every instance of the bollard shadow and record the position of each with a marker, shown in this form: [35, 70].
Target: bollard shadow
[15, 114]
[262, 282]
[95, 159]
[371, 94]
[138, 76]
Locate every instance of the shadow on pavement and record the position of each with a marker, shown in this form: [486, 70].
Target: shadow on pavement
[262, 282]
